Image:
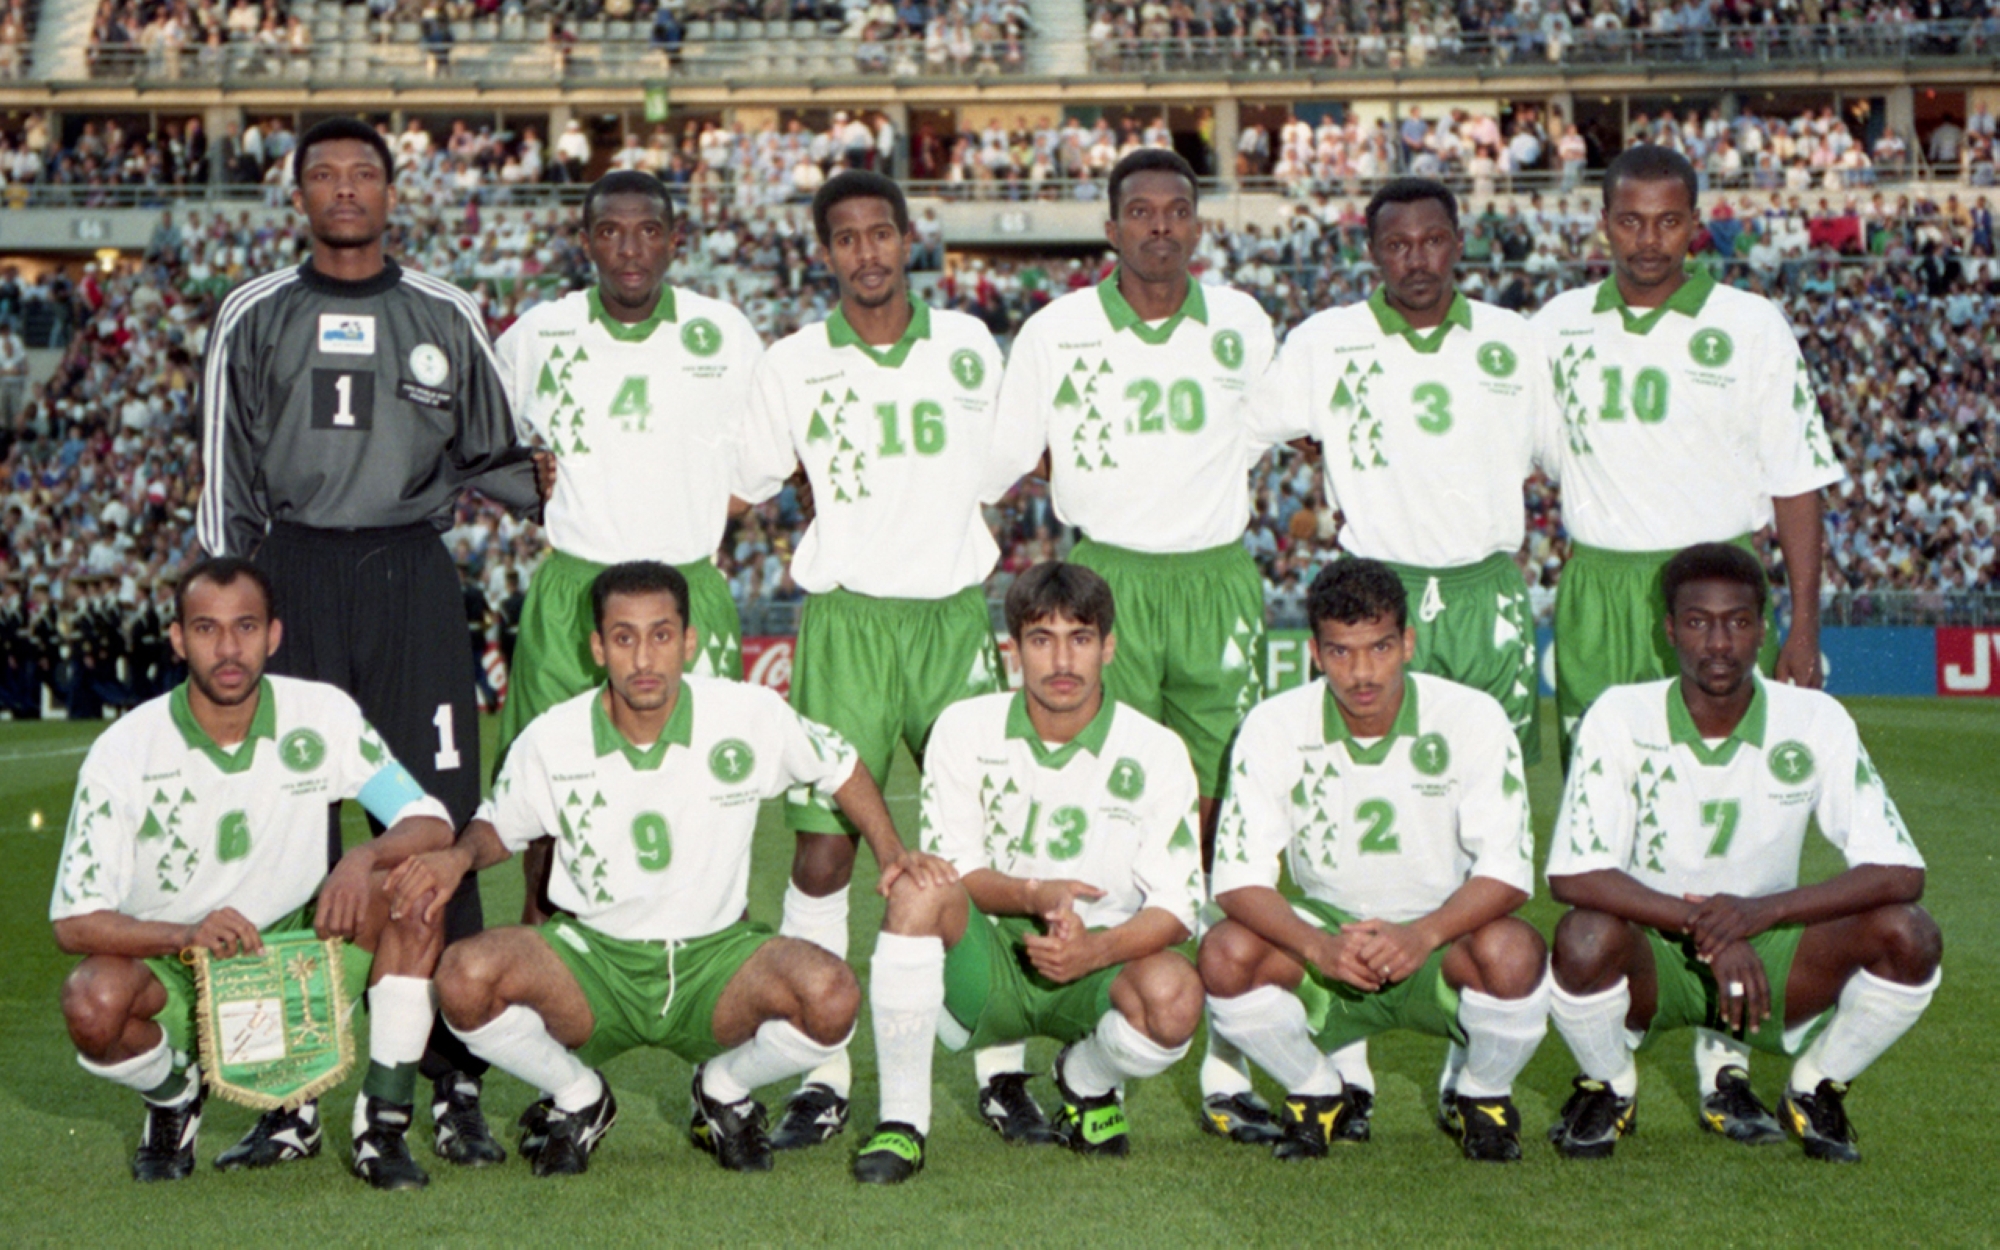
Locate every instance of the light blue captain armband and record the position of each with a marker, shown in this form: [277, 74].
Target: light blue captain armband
[389, 792]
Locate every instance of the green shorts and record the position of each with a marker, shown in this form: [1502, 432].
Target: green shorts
[651, 993]
[1191, 646]
[994, 995]
[881, 671]
[552, 660]
[176, 1019]
[1474, 627]
[1611, 631]
[1337, 1013]
[1689, 998]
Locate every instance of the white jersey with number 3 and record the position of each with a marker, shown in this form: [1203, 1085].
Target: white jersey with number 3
[644, 420]
[654, 844]
[1387, 831]
[1679, 424]
[1647, 796]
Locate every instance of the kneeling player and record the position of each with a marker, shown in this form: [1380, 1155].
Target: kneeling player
[200, 821]
[1397, 801]
[1678, 847]
[650, 788]
[1073, 820]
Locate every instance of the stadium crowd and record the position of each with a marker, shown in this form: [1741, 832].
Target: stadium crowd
[1896, 299]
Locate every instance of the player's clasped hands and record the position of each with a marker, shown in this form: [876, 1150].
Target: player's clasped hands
[225, 932]
[1066, 949]
[927, 870]
[1392, 951]
[1744, 990]
[425, 883]
[343, 900]
[1719, 919]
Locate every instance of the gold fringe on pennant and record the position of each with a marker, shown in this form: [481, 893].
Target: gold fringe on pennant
[210, 1045]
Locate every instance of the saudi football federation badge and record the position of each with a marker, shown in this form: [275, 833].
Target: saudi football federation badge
[274, 1026]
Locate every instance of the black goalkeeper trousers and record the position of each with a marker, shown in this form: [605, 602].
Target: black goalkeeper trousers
[379, 614]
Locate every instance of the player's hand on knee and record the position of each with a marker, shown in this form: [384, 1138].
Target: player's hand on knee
[343, 899]
[225, 932]
[1719, 919]
[1744, 992]
[922, 868]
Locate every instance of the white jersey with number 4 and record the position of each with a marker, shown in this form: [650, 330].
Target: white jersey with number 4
[645, 420]
[654, 844]
[1150, 440]
[1648, 796]
[898, 444]
[168, 826]
[1679, 424]
[1115, 806]
[1387, 831]
[1426, 435]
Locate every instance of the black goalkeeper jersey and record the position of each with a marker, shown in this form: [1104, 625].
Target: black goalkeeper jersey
[350, 405]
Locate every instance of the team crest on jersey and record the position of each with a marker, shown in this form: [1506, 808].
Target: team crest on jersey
[346, 334]
[1791, 762]
[1228, 348]
[1711, 348]
[1127, 780]
[302, 750]
[968, 368]
[701, 338]
[428, 364]
[731, 760]
[1497, 360]
[1430, 754]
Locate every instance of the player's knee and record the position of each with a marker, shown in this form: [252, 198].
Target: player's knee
[1910, 942]
[1228, 959]
[95, 1008]
[822, 864]
[829, 995]
[1510, 955]
[467, 974]
[1590, 946]
[1172, 999]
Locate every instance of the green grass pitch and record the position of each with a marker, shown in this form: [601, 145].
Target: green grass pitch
[1924, 1112]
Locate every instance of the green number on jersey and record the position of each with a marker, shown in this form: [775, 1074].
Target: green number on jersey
[632, 399]
[1435, 401]
[651, 840]
[1070, 823]
[1721, 815]
[1380, 836]
[1649, 395]
[232, 837]
[926, 428]
[1186, 406]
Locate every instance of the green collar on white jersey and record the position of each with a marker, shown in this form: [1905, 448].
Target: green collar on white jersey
[1688, 300]
[606, 738]
[636, 331]
[839, 333]
[1681, 727]
[1091, 738]
[263, 724]
[1122, 317]
[1426, 342]
[1405, 726]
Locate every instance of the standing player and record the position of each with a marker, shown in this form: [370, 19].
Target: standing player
[1073, 823]
[1135, 391]
[197, 823]
[638, 388]
[1687, 416]
[889, 404]
[650, 787]
[345, 404]
[1427, 407]
[1678, 847]
[1397, 802]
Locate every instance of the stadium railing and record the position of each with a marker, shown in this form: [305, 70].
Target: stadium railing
[603, 59]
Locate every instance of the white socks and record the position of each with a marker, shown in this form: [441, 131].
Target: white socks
[823, 922]
[1594, 1027]
[994, 1060]
[1270, 1026]
[776, 1051]
[1224, 1069]
[1501, 1036]
[1871, 1015]
[905, 997]
[1713, 1052]
[399, 1020]
[518, 1043]
[1351, 1062]
[144, 1073]
[1116, 1050]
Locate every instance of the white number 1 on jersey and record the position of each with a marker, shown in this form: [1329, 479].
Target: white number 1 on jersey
[447, 752]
